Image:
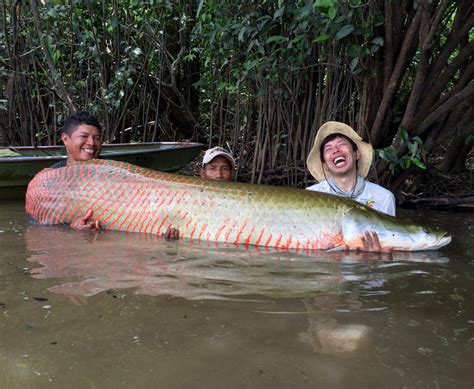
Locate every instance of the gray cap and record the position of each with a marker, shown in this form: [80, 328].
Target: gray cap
[216, 152]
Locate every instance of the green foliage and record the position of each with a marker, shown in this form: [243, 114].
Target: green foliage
[276, 69]
[415, 155]
[279, 39]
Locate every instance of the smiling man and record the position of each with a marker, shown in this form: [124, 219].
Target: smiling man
[340, 160]
[81, 136]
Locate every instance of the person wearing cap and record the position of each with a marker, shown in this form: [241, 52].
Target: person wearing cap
[340, 161]
[218, 164]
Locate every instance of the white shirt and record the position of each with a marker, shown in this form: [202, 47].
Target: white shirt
[373, 195]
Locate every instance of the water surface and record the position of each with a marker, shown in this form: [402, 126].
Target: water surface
[110, 310]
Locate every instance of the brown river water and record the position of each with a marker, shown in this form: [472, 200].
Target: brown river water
[116, 310]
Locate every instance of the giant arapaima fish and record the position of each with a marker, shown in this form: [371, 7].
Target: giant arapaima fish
[129, 198]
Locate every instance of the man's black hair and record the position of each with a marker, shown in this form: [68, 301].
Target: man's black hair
[330, 138]
[78, 118]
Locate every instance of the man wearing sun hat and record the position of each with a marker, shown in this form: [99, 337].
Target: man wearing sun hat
[340, 160]
[218, 164]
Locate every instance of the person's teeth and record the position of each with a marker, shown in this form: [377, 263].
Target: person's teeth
[339, 160]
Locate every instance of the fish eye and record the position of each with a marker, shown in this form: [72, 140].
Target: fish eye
[426, 230]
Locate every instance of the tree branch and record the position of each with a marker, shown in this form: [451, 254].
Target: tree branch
[395, 79]
[55, 76]
[465, 93]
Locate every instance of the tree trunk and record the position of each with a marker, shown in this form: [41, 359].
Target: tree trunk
[460, 146]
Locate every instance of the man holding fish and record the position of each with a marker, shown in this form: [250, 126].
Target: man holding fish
[81, 136]
[129, 198]
[340, 160]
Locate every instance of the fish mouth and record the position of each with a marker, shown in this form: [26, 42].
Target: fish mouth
[445, 239]
[442, 241]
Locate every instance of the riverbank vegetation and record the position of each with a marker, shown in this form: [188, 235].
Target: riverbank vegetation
[256, 77]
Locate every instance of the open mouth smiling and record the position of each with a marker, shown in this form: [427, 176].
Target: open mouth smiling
[339, 160]
[89, 151]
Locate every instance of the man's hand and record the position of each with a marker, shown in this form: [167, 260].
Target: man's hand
[172, 233]
[372, 244]
[83, 223]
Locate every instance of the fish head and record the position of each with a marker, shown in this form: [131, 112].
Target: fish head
[392, 232]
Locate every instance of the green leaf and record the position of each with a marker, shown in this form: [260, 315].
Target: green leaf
[199, 8]
[323, 3]
[241, 34]
[56, 55]
[344, 31]
[354, 63]
[418, 163]
[114, 22]
[321, 38]
[250, 64]
[382, 154]
[279, 12]
[405, 163]
[378, 41]
[276, 38]
[403, 135]
[52, 12]
[332, 12]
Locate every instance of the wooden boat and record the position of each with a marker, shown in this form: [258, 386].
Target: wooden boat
[18, 165]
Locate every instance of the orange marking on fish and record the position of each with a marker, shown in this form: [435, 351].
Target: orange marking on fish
[123, 217]
[111, 215]
[98, 198]
[249, 236]
[267, 242]
[277, 243]
[257, 242]
[219, 231]
[203, 228]
[145, 214]
[192, 232]
[287, 245]
[162, 224]
[153, 211]
[229, 231]
[189, 222]
[130, 205]
[67, 181]
[237, 238]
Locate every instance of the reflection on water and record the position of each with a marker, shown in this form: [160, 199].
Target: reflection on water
[153, 266]
[128, 310]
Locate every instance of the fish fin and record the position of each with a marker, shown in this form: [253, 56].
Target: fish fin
[337, 248]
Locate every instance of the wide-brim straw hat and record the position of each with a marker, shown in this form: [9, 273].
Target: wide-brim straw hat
[315, 166]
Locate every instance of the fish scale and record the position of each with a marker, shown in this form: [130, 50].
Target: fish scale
[134, 199]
